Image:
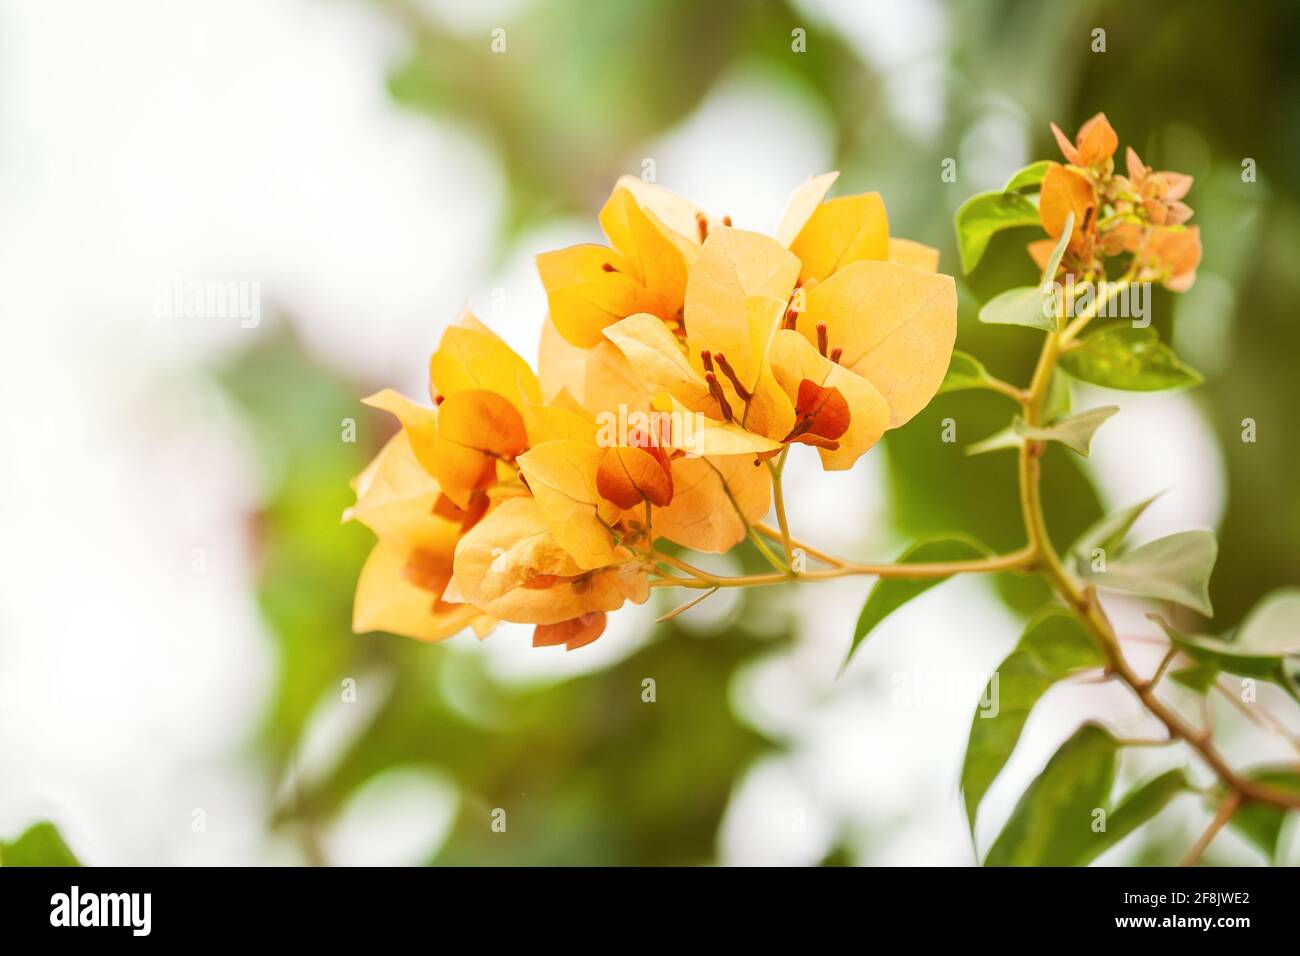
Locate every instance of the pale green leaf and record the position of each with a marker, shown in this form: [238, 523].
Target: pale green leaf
[1175, 568]
[1024, 305]
[1108, 532]
[1006, 438]
[1074, 432]
[1058, 251]
[1272, 628]
[1265, 646]
[1056, 403]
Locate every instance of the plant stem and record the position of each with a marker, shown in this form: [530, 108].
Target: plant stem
[1106, 291]
[1004, 388]
[1084, 603]
[778, 496]
[1226, 809]
[1013, 561]
[768, 531]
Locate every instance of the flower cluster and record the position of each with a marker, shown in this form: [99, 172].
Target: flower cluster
[677, 367]
[1141, 214]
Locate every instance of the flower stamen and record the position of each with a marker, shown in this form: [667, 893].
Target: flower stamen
[744, 393]
[716, 391]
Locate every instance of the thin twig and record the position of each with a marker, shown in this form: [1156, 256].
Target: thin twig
[1226, 809]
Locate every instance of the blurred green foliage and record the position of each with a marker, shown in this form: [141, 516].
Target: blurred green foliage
[38, 845]
[587, 771]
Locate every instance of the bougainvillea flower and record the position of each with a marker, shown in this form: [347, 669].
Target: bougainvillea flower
[448, 468]
[644, 268]
[512, 567]
[1115, 214]
[574, 633]
[1094, 146]
[914, 254]
[1065, 191]
[401, 586]
[597, 379]
[1170, 256]
[889, 324]
[868, 352]
[484, 396]
[829, 234]
[562, 477]
[1160, 194]
[836, 410]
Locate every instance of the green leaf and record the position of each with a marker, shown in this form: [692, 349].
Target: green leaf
[1031, 175]
[964, 371]
[1291, 676]
[39, 845]
[1132, 359]
[984, 214]
[1219, 654]
[1024, 305]
[1261, 823]
[1175, 568]
[1052, 823]
[1267, 641]
[1198, 678]
[1109, 532]
[1054, 260]
[1057, 401]
[1006, 438]
[1053, 646]
[1135, 809]
[889, 594]
[1272, 628]
[1074, 432]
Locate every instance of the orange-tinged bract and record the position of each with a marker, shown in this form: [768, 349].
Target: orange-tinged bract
[1139, 213]
[644, 268]
[677, 364]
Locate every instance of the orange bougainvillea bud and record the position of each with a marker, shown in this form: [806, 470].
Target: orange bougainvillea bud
[1065, 191]
[1094, 145]
[573, 633]
[629, 476]
[1174, 254]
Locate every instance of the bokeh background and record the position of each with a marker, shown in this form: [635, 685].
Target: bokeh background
[178, 679]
